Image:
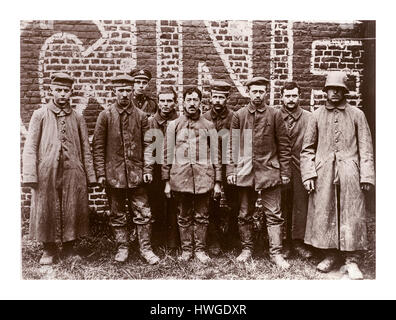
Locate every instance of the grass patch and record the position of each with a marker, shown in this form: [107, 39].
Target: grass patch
[98, 253]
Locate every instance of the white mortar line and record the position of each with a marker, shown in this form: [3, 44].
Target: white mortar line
[272, 67]
[180, 74]
[290, 47]
[158, 44]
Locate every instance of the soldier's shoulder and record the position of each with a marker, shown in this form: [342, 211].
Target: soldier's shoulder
[241, 111]
[42, 110]
[355, 110]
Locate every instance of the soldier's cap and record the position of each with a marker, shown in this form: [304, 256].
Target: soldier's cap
[336, 79]
[141, 74]
[122, 80]
[62, 79]
[220, 86]
[259, 81]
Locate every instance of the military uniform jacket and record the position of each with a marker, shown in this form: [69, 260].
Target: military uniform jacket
[159, 125]
[337, 149]
[119, 144]
[146, 103]
[260, 147]
[55, 133]
[186, 171]
[222, 124]
[296, 124]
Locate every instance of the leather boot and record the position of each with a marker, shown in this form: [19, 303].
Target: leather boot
[68, 250]
[144, 236]
[351, 266]
[246, 234]
[121, 237]
[302, 249]
[328, 263]
[49, 252]
[200, 234]
[275, 247]
[186, 240]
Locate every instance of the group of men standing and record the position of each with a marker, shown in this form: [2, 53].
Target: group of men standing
[180, 174]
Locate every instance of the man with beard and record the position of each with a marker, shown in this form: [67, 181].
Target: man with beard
[223, 211]
[165, 230]
[57, 165]
[260, 156]
[141, 99]
[294, 196]
[119, 144]
[192, 172]
[337, 166]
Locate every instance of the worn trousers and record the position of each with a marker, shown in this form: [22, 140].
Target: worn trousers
[271, 201]
[192, 212]
[138, 205]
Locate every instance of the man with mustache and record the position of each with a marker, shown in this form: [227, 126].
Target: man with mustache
[57, 165]
[141, 99]
[294, 196]
[223, 211]
[191, 172]
[260, 156]
[118, 146]
[337, 167]
[165, 230]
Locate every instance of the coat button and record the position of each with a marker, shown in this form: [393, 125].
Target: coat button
[336, 140]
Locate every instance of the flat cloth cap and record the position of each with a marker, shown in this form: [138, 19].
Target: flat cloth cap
[62, 79]
[220, 86]
[122, 80]
[141, 74]
[258, 81]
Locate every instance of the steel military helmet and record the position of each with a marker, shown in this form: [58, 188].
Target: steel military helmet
[336, 79]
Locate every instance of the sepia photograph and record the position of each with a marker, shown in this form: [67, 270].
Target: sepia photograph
[198, 149]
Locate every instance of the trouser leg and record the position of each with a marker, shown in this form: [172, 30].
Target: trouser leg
[201, 220]
[185, 220]
[247, 198]
[271, 200]
[118, 215]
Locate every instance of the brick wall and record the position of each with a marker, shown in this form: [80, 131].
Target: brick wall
[182, 53]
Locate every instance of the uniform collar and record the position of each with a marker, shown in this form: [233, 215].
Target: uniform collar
[252, 108]
[120, 109]
[296, 113]
[223, 114]
[193, 117]
[340, 107]
[58, 111]
[161, 120]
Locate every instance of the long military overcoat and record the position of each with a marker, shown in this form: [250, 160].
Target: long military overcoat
[50, 131]
[337, 150]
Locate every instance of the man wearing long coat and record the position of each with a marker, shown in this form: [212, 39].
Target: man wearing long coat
[337, 165]
[58, 165]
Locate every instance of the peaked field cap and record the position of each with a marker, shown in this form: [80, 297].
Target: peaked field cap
[220, 86]
[62, 79]
[260, 81]
[336, 79]
[122, 80]
[141, 74]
